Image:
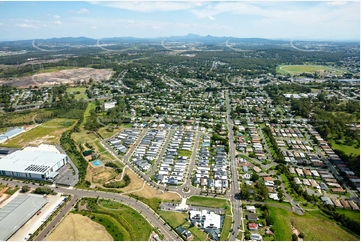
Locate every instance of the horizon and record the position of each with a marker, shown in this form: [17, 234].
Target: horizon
[159, 37]
[325, 21]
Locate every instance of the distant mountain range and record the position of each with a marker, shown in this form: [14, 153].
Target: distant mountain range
[187, 38]
[208, 39]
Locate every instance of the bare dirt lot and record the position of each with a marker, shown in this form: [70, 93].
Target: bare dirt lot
[64, 76]
[76, 227]
[136, 185]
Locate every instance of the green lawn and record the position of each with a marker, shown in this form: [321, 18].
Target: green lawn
[184, 153]
[119, 223]
[345, 148]
[298, 69]
[227, 224]
[313, 224]
[198, 234]
[245, 157]
[207, 202]
[354, 215]
[49, 131]
[174, 219]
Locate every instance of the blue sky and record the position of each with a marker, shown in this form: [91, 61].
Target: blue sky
[274, 20]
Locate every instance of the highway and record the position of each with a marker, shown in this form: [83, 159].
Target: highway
[235, 190]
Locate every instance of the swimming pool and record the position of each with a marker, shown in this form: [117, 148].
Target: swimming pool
[97, 163]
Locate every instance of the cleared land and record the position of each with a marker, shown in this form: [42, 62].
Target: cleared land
[147, 192]
[76, 227]
[64, 76]
[314, 225]
[49, 132]
[207, 202]
[298, 69]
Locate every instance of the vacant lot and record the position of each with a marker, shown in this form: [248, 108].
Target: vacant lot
[314, 225]
[207, 202]
[298, 69]
[70, 76]
[49, 132]
[175, 219]
[76, 227]
[147, 192]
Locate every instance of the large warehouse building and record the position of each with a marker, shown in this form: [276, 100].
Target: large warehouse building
[36, 163]
[17, 212]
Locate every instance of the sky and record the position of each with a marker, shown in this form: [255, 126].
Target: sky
[311, 20]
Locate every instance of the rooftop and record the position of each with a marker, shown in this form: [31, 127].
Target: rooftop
[17, 212]
[35, 161]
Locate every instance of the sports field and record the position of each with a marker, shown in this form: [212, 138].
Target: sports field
[298, 69]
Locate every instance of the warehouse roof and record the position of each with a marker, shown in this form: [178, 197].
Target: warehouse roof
[17, 212]
[30, 161]
[11, 133]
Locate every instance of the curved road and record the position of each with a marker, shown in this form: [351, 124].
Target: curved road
[149, 214]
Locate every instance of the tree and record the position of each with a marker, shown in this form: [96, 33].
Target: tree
[254, 177]
[294, 237]
[25, 189]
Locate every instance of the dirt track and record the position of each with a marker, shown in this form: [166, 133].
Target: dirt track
[64, 76]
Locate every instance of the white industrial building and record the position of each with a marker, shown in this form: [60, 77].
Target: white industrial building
[39, 163]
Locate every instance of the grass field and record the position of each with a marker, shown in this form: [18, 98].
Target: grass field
[24, 117]
[185, 153]
[82, 93]
[76, 227]
[87, 112]
[345, 148]
[207, 202]
[226, 227]
[121, 224]
[105, 133]
[49, 132]
[198, 234]
[174, 219]
[298, 69]
[354, 215]
[313, 224]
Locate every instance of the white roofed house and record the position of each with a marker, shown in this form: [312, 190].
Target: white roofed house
[109, 105]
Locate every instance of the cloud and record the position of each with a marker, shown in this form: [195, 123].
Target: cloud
[56, 16]
[93, 27]
[31, 21]
[211, 17]
[58, 22]
[80, 11]
[336, 3]
[26, 26]
[150, 6]
[1, 23]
